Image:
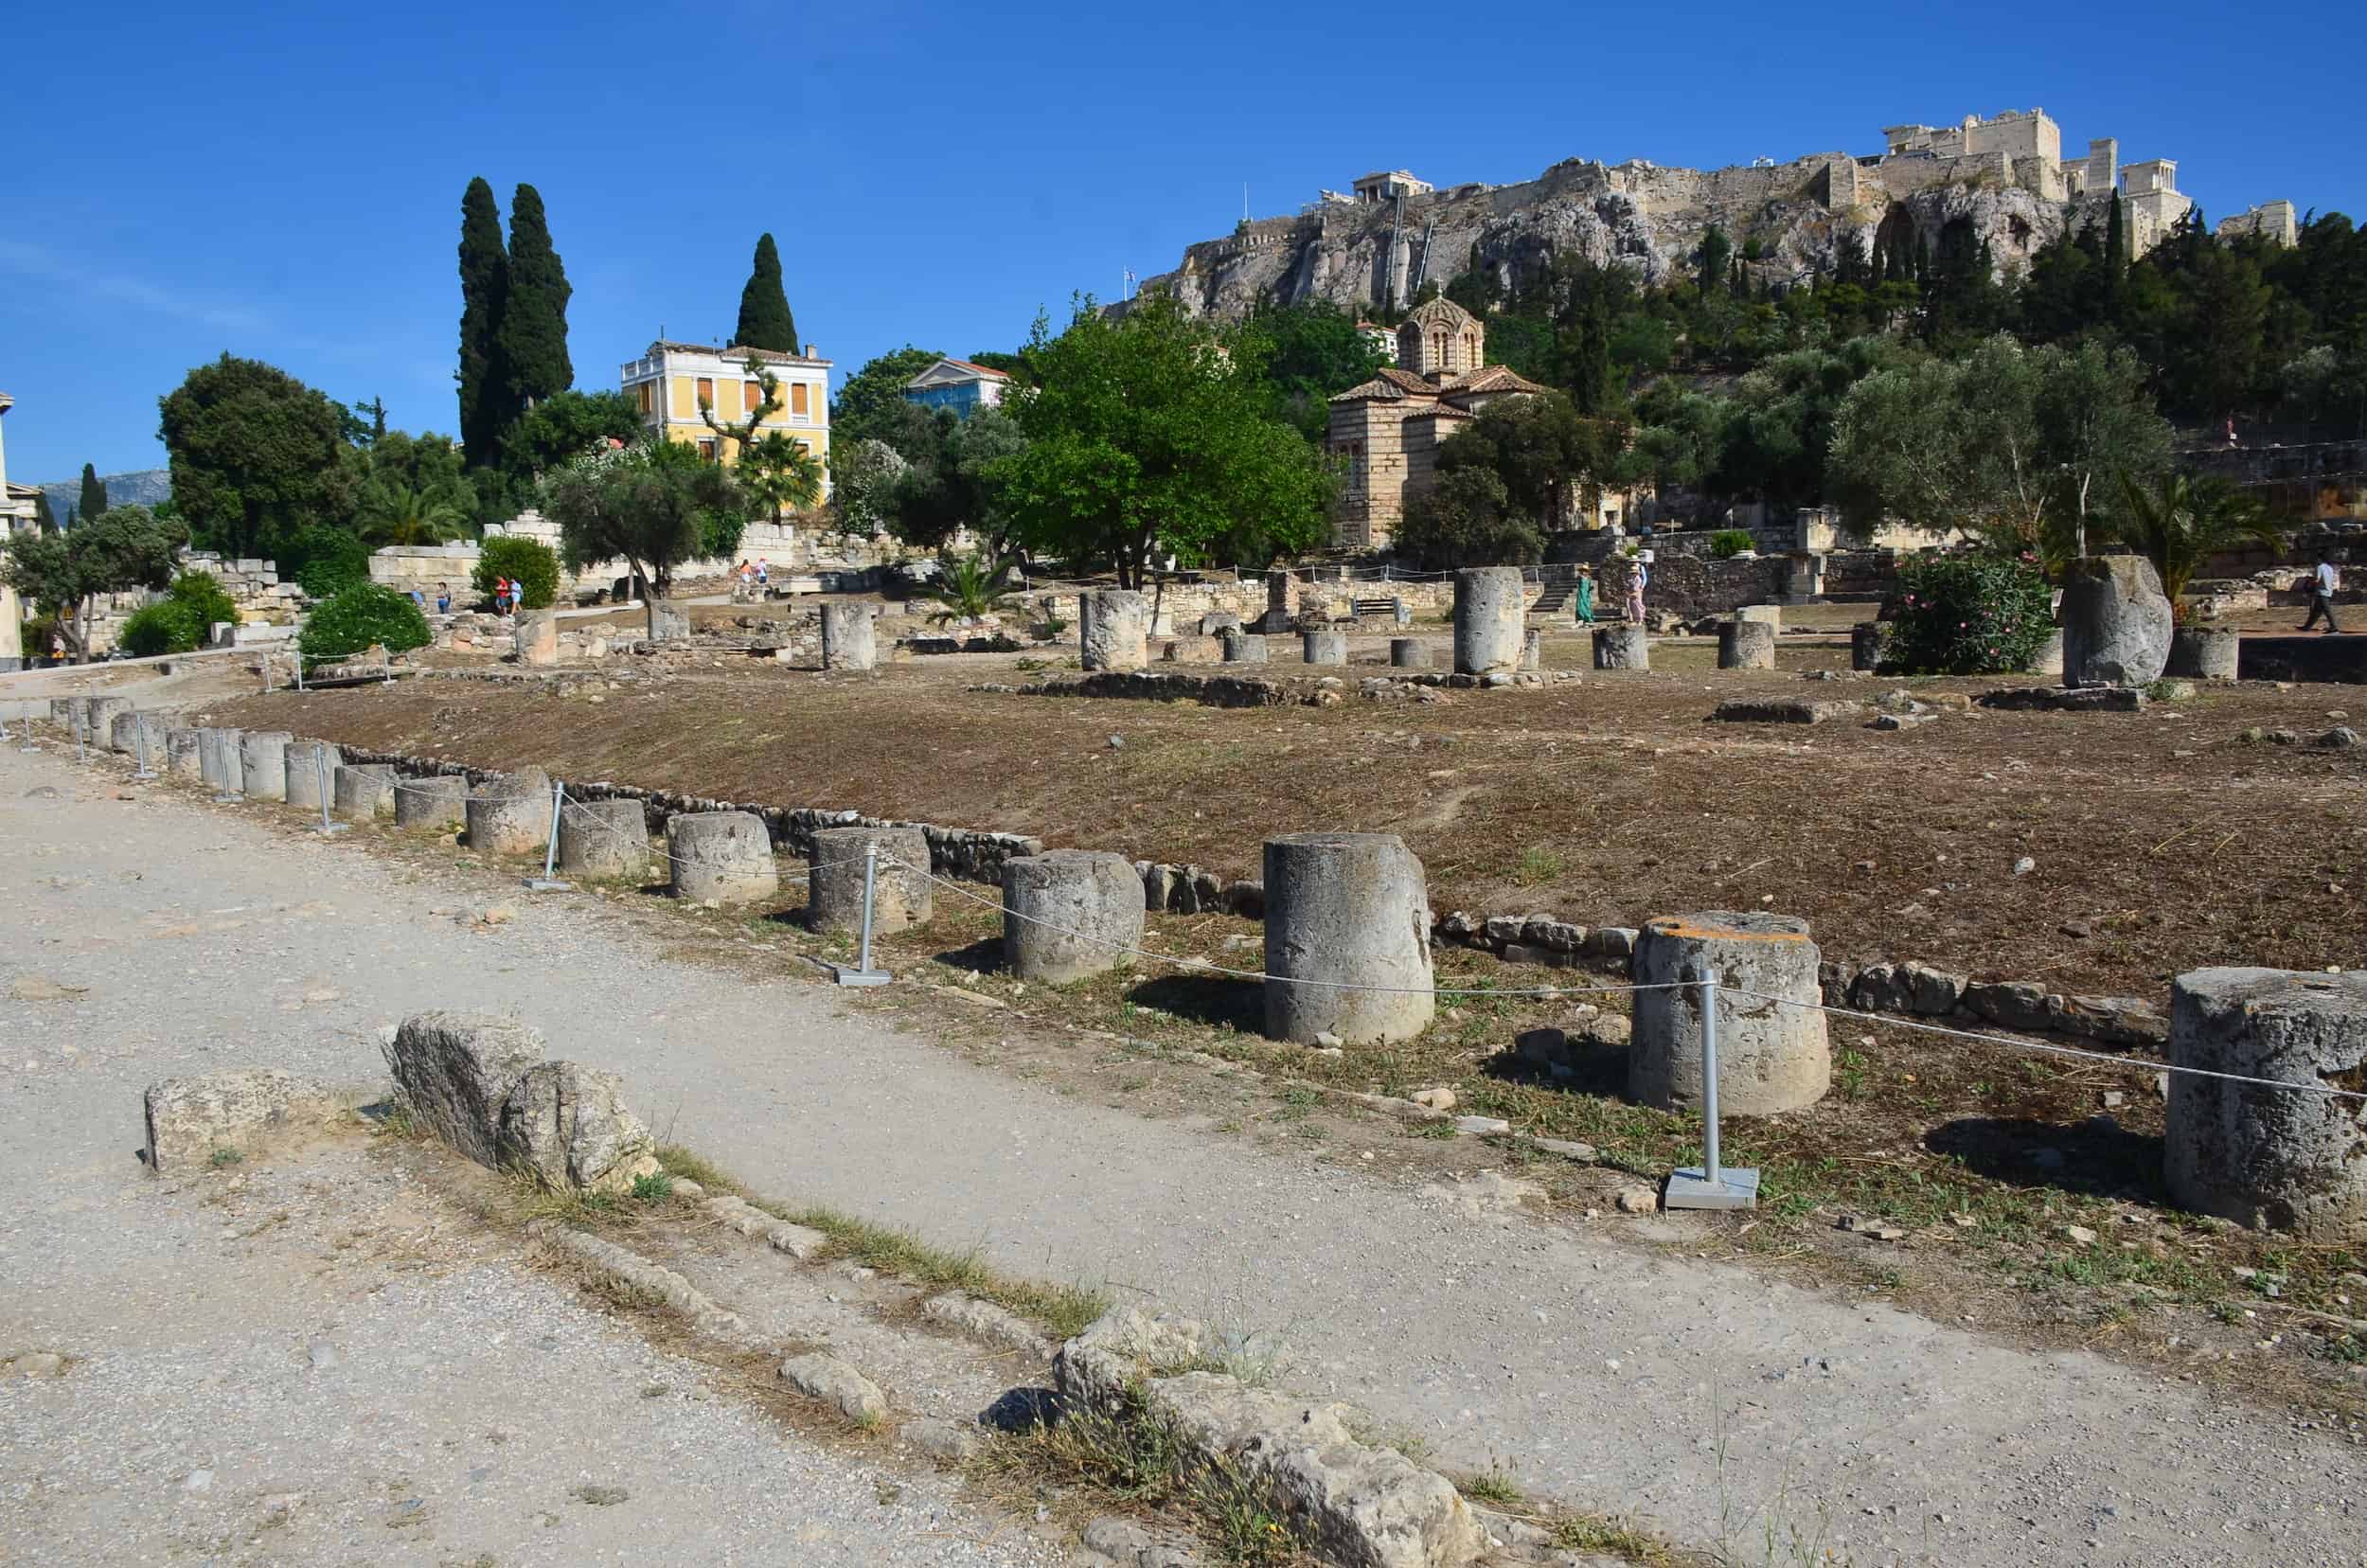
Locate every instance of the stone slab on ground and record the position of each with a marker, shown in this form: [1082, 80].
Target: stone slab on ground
[1783, 710]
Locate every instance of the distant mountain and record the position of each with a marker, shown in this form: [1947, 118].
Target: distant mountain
[144, 488]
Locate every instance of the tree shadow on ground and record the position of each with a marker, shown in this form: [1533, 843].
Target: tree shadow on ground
[1593, 1068]
[2098, 1156]
[983, 956]
[1211, 999]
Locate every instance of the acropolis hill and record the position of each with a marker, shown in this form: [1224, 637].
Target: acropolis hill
[2005, 176]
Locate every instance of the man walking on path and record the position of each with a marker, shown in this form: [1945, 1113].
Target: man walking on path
[2322, 595]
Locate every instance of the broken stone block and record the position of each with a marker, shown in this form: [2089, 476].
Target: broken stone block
[569, 1127]
[188, 1119]
[455, 1070]
[2116, 622]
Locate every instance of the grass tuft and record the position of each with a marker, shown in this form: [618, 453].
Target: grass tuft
[688, 1165]
[1064, 1310]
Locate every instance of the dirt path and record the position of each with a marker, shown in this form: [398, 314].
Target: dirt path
[1705, 1400]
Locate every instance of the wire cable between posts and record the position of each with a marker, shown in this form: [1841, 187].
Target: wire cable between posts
[2125, 1063]
[1205, 967]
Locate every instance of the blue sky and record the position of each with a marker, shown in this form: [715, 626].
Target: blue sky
[283, 181]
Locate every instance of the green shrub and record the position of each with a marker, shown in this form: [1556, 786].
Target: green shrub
[1726, 543]
[160, 628]
[324, 562]
[524, 561]
[182, 620]
[359, 617]
[202, 592]
[1981, 615]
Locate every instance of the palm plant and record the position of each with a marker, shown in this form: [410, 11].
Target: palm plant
[400, 514]
[2182, 521]
[777, 471]
[968, 588]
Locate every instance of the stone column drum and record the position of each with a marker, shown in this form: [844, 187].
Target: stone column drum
[233, 776]
[209, 757]
[1351, 910]
[1490, 613]
[366, 792]
[2116, 622]
[1746, 645]
[849, 637]
[511, 814]
[100, 716]
[1409, 653]
[1114, 631]
[62, 711]
[1866, 641]
[1244, 648]
[264, 763]
[1325, 647]
[1277, 616]
[2048, 660]
[1770, 1058]
[123, 732]
[435, 800]
[1068, 914]
[1532, 651]
[309, 770]
[901, 895]
[2204, 653]
[1621, 647]
[2273, 1159]
[727, 856]
[604, 838]
[537, 637]
[181, 759]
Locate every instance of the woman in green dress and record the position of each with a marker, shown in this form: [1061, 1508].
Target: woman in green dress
[1585, 597]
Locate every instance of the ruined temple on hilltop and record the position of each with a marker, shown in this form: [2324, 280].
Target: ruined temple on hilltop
[2003, 177]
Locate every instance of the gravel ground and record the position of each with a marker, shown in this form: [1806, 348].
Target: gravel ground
[1704, 1399]
[317, 1361]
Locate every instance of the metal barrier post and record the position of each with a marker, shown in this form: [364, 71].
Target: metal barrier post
[226, 794]
[81, 733]
[320, 767]
[139, 722]
[862, 973]
[548, 882]
[1711, 1188]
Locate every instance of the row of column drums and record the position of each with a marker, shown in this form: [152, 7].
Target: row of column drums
[1347, 957]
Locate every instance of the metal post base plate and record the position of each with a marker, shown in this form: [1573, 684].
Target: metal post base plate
[330, 828]
[847, 974]
[1691, 1189]
[546, 884]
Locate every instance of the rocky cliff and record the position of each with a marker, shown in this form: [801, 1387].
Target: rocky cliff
[140, 487]
[1636, 215]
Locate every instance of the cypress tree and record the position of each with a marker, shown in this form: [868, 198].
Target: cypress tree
[764, 319]
[484, 286]
[533, 332]
[93, 494]
[2115, 243]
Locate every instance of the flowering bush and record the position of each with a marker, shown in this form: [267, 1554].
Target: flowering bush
[1980, 614]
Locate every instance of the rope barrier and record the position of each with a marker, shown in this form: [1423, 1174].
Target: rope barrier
[2125, 1063]
[1205, 967]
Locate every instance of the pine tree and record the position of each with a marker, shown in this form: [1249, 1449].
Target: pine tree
[533, 334]
[93, 494]
[484, 287]
[764, 319]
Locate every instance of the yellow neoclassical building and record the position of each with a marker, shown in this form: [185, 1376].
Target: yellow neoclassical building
[672, 380]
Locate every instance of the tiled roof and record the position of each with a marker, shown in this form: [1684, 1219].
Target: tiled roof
[1490, 378]
[982, 369]
[736, 351]
[1416, 385]
[1441, 312]
[1442, 411]
[1380, 389]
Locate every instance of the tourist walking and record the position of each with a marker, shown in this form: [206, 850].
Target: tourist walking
[1636, 579]
[2322, 585]
[1584, 596]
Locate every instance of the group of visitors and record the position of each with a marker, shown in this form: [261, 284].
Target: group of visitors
[1583, 598]
[755, 576]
